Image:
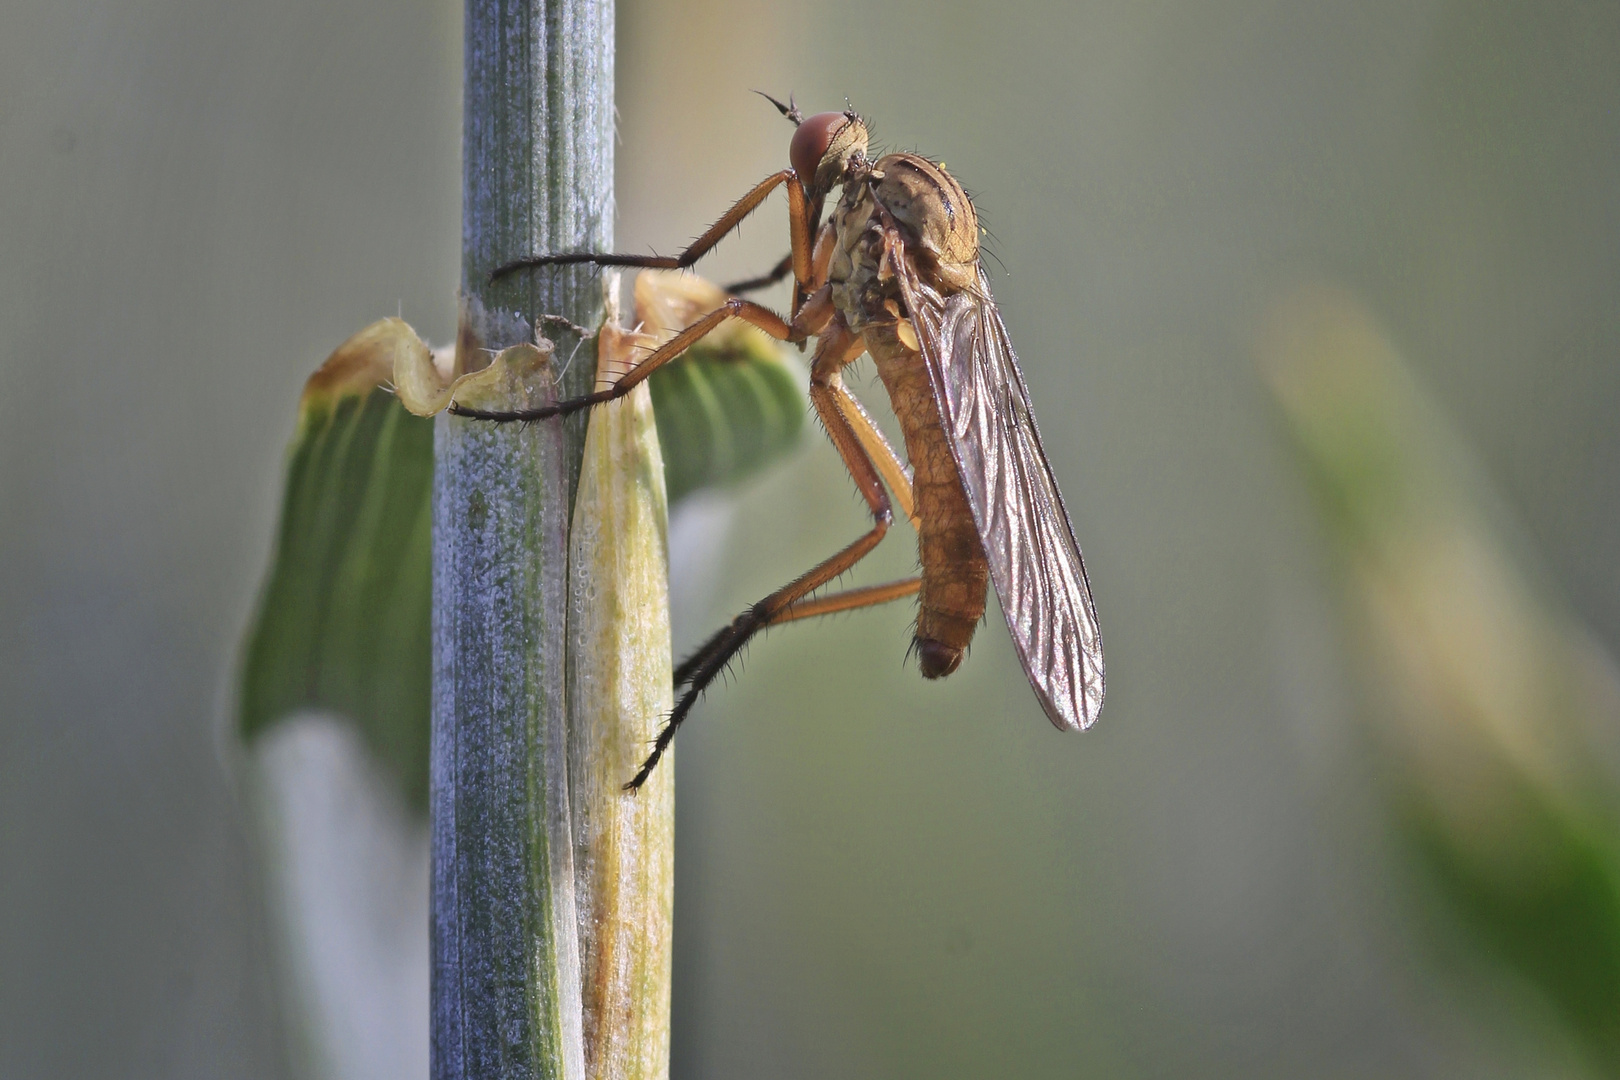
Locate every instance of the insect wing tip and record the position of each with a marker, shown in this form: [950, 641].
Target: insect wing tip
[1070, 706]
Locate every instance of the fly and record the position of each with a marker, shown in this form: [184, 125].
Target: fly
[894, 272]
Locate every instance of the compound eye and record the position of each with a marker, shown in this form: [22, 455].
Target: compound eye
[810, 144]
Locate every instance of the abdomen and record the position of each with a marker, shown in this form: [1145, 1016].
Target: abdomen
[955, 576]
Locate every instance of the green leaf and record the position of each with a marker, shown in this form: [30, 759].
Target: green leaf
[343, 620]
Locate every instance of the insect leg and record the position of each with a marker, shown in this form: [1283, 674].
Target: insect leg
[734, 308]
[764, 281]
[849, 600]
[820, 258]
[837, 347]
[799, 220]
[809, 608]
[895, 472]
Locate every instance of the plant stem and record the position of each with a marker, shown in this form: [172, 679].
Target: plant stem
[619, 689]
[537, 171]
[537, 168]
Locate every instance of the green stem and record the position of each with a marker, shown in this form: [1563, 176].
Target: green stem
[537, 168]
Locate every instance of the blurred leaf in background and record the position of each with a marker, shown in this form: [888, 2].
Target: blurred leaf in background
[1494, 713]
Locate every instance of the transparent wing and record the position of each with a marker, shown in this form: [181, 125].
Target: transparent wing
[1034, 559]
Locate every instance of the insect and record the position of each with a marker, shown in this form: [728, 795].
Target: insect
[894, 272]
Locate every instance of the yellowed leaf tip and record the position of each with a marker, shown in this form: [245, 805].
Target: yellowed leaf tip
[365, 361]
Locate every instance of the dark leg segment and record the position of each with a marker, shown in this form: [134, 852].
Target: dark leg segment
[764, 281]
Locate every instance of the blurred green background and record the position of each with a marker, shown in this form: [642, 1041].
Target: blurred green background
[876, 876]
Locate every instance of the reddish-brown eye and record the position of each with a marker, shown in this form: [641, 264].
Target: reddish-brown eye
[810, 145]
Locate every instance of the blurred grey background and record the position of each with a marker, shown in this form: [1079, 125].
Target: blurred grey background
[876, 876]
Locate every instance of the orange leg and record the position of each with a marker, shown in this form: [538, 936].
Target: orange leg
[734, 308]
[820, 260]
[838, 346]
[895, 472]
[850, 599]
[799, 224]
[898, 477]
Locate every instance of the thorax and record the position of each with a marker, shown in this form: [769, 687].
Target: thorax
[937, 223]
